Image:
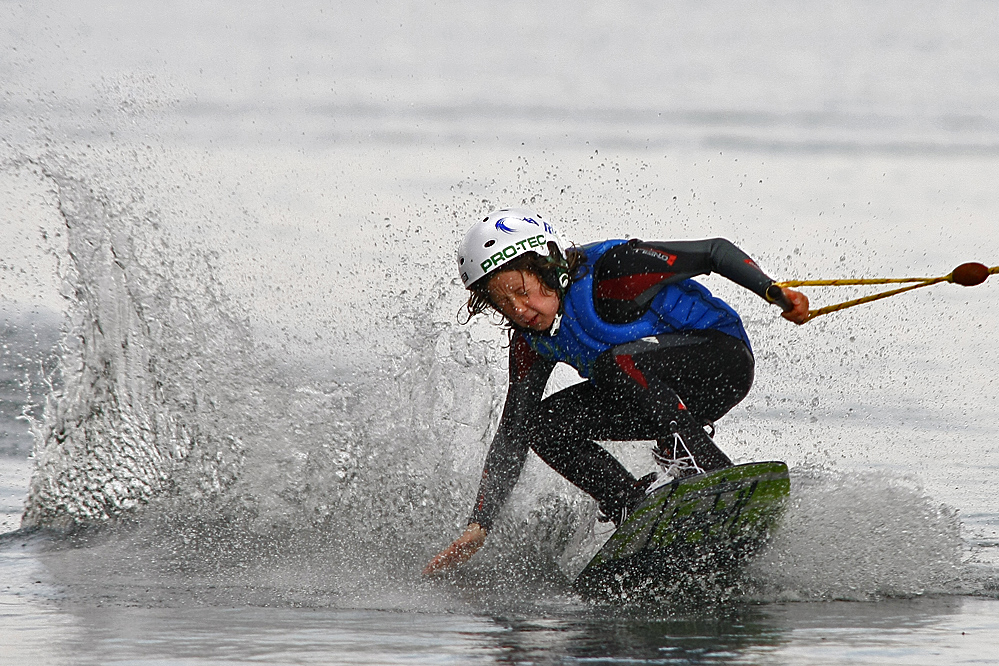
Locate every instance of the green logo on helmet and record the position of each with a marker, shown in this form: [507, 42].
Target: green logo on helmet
[511, 251]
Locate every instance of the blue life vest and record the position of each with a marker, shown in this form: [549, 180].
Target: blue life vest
[583, 335]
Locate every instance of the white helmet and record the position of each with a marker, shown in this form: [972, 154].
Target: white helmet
[502, 236]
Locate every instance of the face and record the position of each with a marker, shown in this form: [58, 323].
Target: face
[524, 299]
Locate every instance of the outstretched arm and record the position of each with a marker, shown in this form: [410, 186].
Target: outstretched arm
[528, 375]
[711, 255]
[630, 275]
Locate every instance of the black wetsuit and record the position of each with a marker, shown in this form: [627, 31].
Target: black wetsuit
[646, 389]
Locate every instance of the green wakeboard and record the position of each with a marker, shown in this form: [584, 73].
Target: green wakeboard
[699, 529]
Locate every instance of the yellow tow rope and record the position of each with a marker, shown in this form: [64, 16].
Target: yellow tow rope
[967, 275]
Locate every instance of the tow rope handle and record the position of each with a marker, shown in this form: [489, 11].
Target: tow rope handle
[967, 275]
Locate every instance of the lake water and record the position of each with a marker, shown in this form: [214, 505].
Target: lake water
[237, 412]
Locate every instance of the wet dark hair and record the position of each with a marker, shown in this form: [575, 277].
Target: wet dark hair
[545, 268]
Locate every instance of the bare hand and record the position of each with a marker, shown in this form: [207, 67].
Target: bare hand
[458, 552]
[799, 315]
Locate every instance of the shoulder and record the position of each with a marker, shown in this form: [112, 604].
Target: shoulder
[631, 258]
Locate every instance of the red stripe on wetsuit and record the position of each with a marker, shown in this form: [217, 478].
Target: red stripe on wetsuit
[626, 363]
[629, 287]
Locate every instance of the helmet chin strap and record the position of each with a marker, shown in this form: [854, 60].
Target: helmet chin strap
[563, 285]
[556, 323]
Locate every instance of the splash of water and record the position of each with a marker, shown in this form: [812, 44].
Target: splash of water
[142, 370]
[860, 536]
[170, 413]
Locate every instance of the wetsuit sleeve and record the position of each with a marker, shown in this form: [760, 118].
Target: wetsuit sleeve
[628, 276]
[529, 373]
